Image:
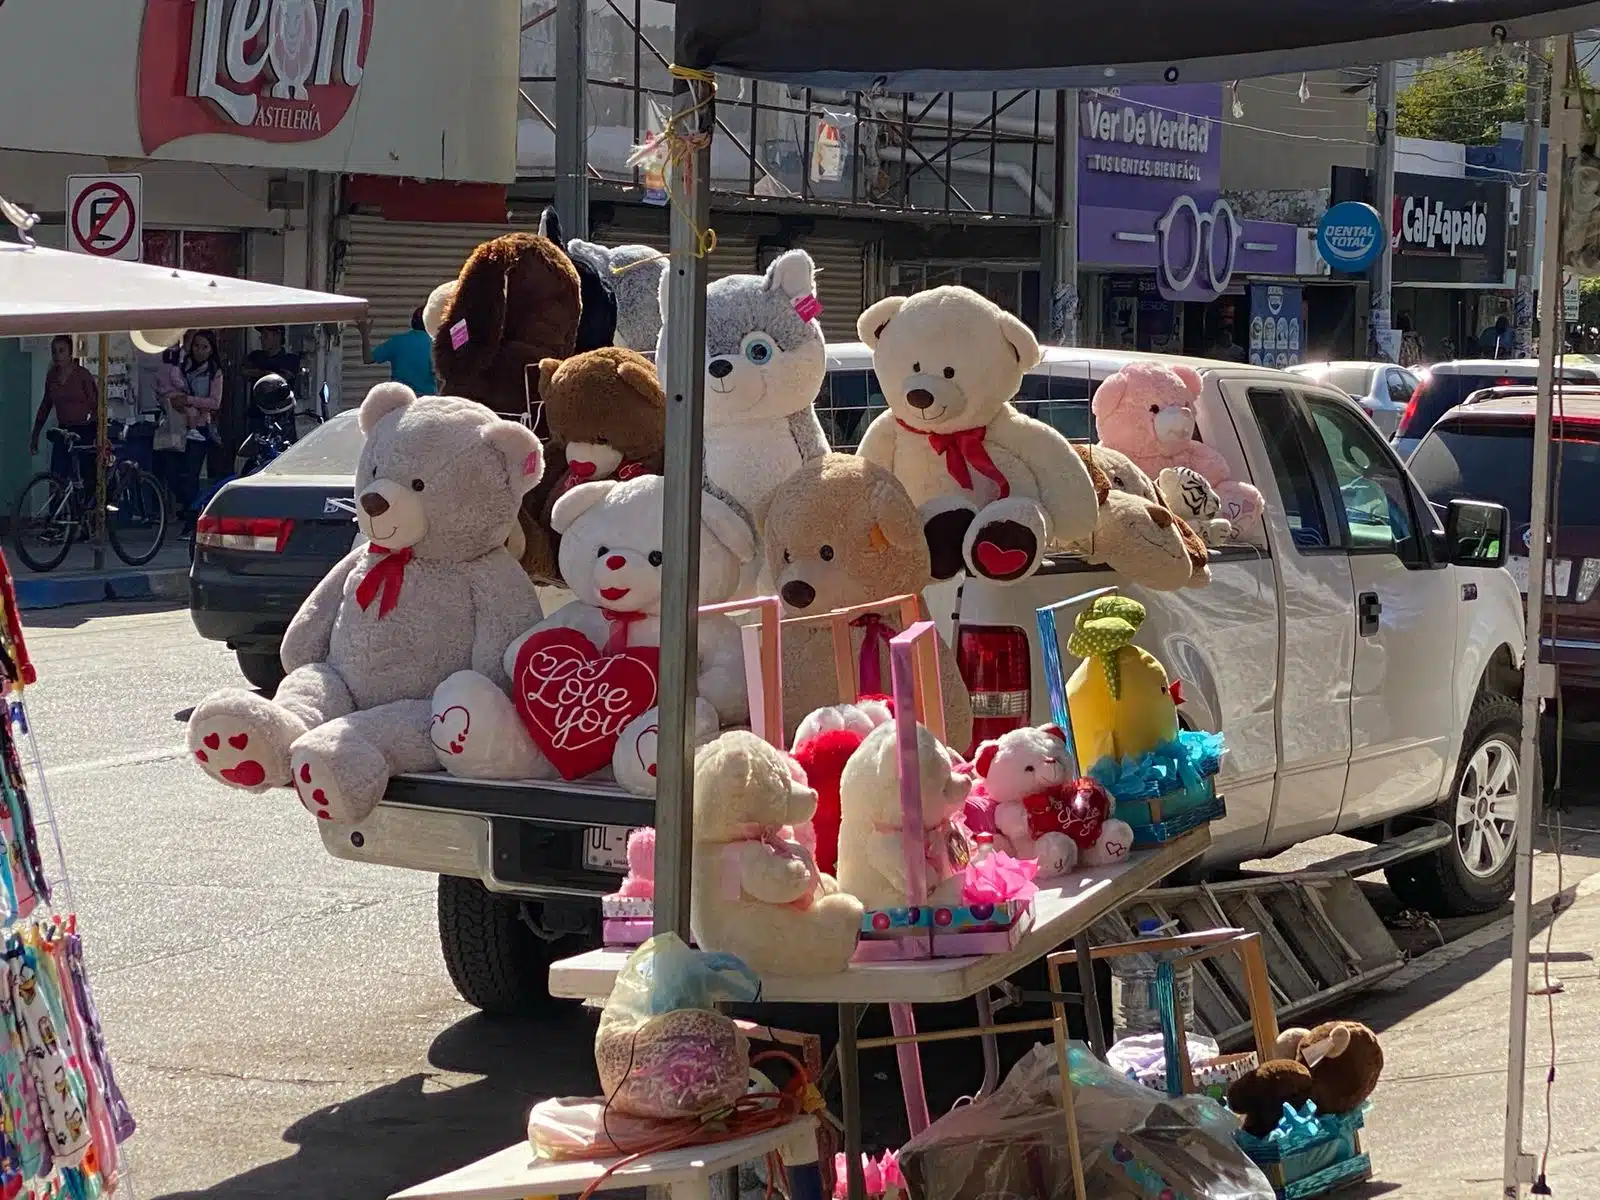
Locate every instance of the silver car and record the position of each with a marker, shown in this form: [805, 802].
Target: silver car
[1381, 389]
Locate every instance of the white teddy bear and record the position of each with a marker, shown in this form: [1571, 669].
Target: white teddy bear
[872, 863]
[995, 489]
[584, 680]
[1189, 494]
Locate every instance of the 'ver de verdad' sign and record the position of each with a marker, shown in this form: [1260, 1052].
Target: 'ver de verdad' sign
[1143, 147]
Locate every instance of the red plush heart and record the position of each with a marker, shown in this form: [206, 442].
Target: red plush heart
[998, 561]
[576, 701]
[1077, 809]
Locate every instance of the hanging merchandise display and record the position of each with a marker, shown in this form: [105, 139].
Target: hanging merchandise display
[827, 150]
[62, 1116]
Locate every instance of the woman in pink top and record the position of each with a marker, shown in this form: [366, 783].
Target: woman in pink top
[190, 385]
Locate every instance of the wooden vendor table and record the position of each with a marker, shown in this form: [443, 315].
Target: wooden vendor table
[1061, 914]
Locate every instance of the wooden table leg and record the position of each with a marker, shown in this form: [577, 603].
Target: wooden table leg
[850, 1101]
[1093, 1024]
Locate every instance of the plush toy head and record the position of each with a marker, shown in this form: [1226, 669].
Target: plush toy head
[870, 787]
[1148, 408]
[947, 359]
[1135, 534]
[604, 408]
[1345, 1060]
[1190, 495]
[1121, 473]
[636, 273]
[842, 531]
[611, 544]
[442, 476]
[1025, 761]
[741, 780]
[765, 354]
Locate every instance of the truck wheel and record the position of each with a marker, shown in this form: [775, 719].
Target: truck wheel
[498, 964]
[1473, 874]
[264, 671]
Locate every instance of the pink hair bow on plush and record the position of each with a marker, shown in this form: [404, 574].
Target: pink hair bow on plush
[999, 877]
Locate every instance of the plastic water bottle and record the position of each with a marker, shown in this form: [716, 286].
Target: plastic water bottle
[1134, 1007]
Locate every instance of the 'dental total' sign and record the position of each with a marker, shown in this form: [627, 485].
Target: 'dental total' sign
[1350, 237]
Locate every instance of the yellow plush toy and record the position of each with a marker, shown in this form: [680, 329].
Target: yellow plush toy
[1121, 703]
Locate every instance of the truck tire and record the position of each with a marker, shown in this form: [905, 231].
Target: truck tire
[1473, 874]
[264, 671]
[497, 963]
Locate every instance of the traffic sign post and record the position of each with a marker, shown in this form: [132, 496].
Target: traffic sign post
[105, 215]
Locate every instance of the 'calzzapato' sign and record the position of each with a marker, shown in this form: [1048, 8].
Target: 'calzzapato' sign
[1423, 224]
[269, 70]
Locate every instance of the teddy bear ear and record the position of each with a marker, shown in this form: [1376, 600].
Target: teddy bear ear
[983, 760]
[1020, 338]
[1190, 378]
[728, 527]
[520, 448]
[895, 519]
[792, 273]
[641, 376]
[1109, 394]
[1097, 477]
[547, 375]
[1056, 732]
[871, 324]
[438, 302]
[576, 501]
[382, 400]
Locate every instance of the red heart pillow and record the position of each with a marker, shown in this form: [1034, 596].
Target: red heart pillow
[576, 701]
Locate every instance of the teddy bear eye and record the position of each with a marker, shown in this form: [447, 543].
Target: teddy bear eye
[916, 368]
[949, 372]
[600, 441]
[1029, 770]
[1155, 408]
[827, 553]
[759, 351]
[417, 485]
[602, 552]
[655, 558]
[787, 557]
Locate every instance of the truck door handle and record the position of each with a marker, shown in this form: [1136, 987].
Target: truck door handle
[1368, 611]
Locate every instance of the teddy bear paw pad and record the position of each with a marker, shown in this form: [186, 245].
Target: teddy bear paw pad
[231, 753]
[1004, 551]
[319, 794]
[945, 533]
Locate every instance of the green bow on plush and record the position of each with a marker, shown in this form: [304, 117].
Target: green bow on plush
[1105, 627]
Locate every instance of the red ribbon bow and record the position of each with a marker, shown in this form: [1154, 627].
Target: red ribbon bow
[583, 472]
[383, 581]
[964, 450]
[617, 642]
[875, 633]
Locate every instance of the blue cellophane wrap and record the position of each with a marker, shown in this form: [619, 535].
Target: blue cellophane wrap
[1181, 765]
[1312, 1150]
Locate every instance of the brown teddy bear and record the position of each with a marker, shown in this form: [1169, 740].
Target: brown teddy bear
[1259, 1095]
[1136, 535]
[607, 417]
[1336, 1066]
[842, 531]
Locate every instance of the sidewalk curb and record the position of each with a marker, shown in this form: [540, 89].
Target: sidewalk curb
[170, 583]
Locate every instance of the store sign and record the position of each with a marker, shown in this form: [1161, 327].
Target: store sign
[1275, 325]
[1141, 147]
[1350, 237]
[268, 70]
[1435, 226]
[1197, 249]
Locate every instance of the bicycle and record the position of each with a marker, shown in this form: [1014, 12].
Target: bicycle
[53, 512]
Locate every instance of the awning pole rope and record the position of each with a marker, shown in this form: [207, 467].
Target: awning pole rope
[21, 218]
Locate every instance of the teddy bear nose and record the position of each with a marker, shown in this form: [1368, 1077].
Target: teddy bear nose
[616, 562]
[920, 398]
[720, 368]
[798, 594]
[374, 505]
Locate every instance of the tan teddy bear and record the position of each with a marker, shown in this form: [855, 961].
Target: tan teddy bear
[1136, 535]
[841, 532]
[756, 893]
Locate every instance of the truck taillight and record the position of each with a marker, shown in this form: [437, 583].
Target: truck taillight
[1409, 415]
[997, 667]
[266, 535]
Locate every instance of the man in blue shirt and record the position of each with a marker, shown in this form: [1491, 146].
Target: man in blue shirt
[409, 355]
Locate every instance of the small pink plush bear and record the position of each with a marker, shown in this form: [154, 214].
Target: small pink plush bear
[640, 881]
[1150, 412]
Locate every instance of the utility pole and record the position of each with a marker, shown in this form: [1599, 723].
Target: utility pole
[572, 117]
[1061, 299]
[1383, 153]
[1528, 228]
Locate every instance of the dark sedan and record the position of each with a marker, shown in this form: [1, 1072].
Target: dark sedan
[265, 541]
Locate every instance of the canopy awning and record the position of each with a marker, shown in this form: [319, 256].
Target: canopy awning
[955, 45]
[52, 291]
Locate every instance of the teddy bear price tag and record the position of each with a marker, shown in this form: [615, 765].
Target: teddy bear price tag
[576, 701]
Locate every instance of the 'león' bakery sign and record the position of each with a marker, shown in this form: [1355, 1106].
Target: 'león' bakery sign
[269, 70]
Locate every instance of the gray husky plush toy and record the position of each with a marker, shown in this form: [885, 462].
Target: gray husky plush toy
[766, 360]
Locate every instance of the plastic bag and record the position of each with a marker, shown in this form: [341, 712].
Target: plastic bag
[662, 1050]
[1139, 1053]
[1135, 1142]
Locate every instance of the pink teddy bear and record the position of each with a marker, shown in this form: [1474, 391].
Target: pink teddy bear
[640, 881]
[1150, 412]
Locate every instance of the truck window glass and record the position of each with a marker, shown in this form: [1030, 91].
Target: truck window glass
[1372, 491]
[846, 405]
[1280, 430]
[1493, 461]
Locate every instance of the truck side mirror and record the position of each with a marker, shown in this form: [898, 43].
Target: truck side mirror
[1475, 533]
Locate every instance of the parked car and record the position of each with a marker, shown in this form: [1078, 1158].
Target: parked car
[265, 540]
[1484, 451]
[1364, 660]
[1381, 389]
[1445, 385]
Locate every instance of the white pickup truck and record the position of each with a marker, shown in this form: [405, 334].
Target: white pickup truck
[1364, 661]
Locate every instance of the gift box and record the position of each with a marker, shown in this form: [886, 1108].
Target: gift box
[626, 931]
[1153, 825]
[1310, 1155]
[615, 907]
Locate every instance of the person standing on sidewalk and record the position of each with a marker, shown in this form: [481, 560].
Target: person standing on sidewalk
[191, 389]
[409, 355]
[71, 393]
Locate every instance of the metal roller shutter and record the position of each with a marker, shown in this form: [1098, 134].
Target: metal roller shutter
[841, 284]
[394, 265]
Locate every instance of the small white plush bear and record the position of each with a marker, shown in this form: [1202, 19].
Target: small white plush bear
[766, 360]
[432, 591]
[1043, 809]
[996, 489]
[872, 865]
[756, 893]
[611, 560]
[1189, 494]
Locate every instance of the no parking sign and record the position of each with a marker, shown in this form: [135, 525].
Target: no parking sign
[105, 215]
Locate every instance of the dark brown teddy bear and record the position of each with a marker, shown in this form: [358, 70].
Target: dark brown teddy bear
[607, 417]
[1345, 1060]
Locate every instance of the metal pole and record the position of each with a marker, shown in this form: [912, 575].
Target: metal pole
[1528, 230]
[1383, 152]
[572, 116]
[1537, 682]
[1064, 298]
[100, 440]
[683, 378]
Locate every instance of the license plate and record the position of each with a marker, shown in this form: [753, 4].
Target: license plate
[1559, 573]
[605, 848]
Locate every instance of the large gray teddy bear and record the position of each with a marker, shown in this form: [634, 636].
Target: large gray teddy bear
[432, 592]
